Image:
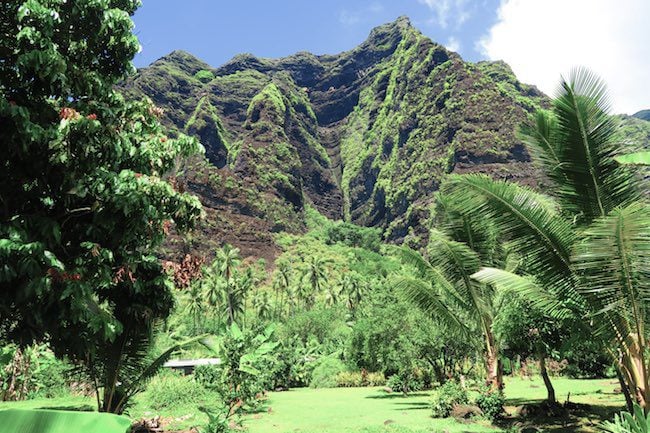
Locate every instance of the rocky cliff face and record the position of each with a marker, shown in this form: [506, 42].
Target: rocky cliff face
[366, 135]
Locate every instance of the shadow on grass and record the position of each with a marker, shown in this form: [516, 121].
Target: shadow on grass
[398, 395]
[76, 408]
[581, 419]
[412, 405]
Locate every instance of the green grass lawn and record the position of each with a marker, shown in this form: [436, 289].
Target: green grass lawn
[371, 410]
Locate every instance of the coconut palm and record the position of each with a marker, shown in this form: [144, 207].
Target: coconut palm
[315, 276]
[443, 288]
[332, 295]
[228, 259]
[195, 306]
[586, 249]
[281, 284]
[353, 288]
[262, 304]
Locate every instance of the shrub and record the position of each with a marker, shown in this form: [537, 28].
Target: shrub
[324, 375]
[448, 395]
[405, 381]
[207, 375]
[376, 379]
[491, 403]
[204, 76]
[349, 379]
[171, 389]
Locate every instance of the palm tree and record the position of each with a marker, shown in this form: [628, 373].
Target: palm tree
[281, 284]
[353, 288]
[587, 248]
[444, 289]
[228, 259]
[262, 304]
[332, 295]
[315, 276]
[195, 307]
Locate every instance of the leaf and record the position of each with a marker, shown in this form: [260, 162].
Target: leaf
[638, 158]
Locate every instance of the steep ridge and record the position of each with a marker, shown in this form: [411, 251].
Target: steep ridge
[366, 135]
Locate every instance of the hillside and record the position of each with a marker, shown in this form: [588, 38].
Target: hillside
[365, 135]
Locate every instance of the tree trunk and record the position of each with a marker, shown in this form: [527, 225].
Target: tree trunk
[550, 391]
[493, 363]
[626, 391]
[635, 374]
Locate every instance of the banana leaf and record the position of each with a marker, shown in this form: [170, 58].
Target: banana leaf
[61, 421]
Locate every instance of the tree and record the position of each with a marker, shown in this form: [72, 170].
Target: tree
[84, 197]
[525, 331]
[195, 307]
[584, 250]
[281, 285]
[353, 287]
[443, 288]
[227, 261]
[315, 276]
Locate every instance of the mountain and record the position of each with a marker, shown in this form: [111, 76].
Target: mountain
[643, 114]
[365, 135]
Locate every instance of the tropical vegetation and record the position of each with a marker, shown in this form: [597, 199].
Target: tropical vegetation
[102, 284]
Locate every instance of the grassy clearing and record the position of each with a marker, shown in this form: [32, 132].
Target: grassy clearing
[371, 410]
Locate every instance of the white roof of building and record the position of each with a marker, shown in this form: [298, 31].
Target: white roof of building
[180, 363]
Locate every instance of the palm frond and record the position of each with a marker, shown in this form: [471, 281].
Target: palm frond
[613, 260]
[476, 231]
[530, 221]
[426, 297]
[595, 184]
[526, 287]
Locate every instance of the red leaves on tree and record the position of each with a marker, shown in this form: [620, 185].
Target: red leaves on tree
[121, 274]
[188, 270]
[68, 113]
[62, 276]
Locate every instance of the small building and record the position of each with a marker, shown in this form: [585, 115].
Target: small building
[188, 365]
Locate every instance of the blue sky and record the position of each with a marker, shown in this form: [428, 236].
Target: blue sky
[216, 30]
[541, 40]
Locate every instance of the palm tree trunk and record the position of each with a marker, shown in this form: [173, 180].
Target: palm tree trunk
[625, 389]
[493, 362]
[550, 391]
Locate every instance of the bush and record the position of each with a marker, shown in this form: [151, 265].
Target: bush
[491, 403]
[325, 373]
[349, 379]
[204, 76]
[448, 395]
[207, 375]
[405, 381]
[171, 389]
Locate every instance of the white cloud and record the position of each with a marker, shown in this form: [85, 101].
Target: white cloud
[543, 40]
[350, 18]
[453, 44]
[445, 11]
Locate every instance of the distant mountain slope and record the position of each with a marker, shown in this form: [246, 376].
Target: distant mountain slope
[366, 135]
[643, 114]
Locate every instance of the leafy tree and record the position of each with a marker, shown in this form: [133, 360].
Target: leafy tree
[586, 249]
[525, 331]
[84, 197]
